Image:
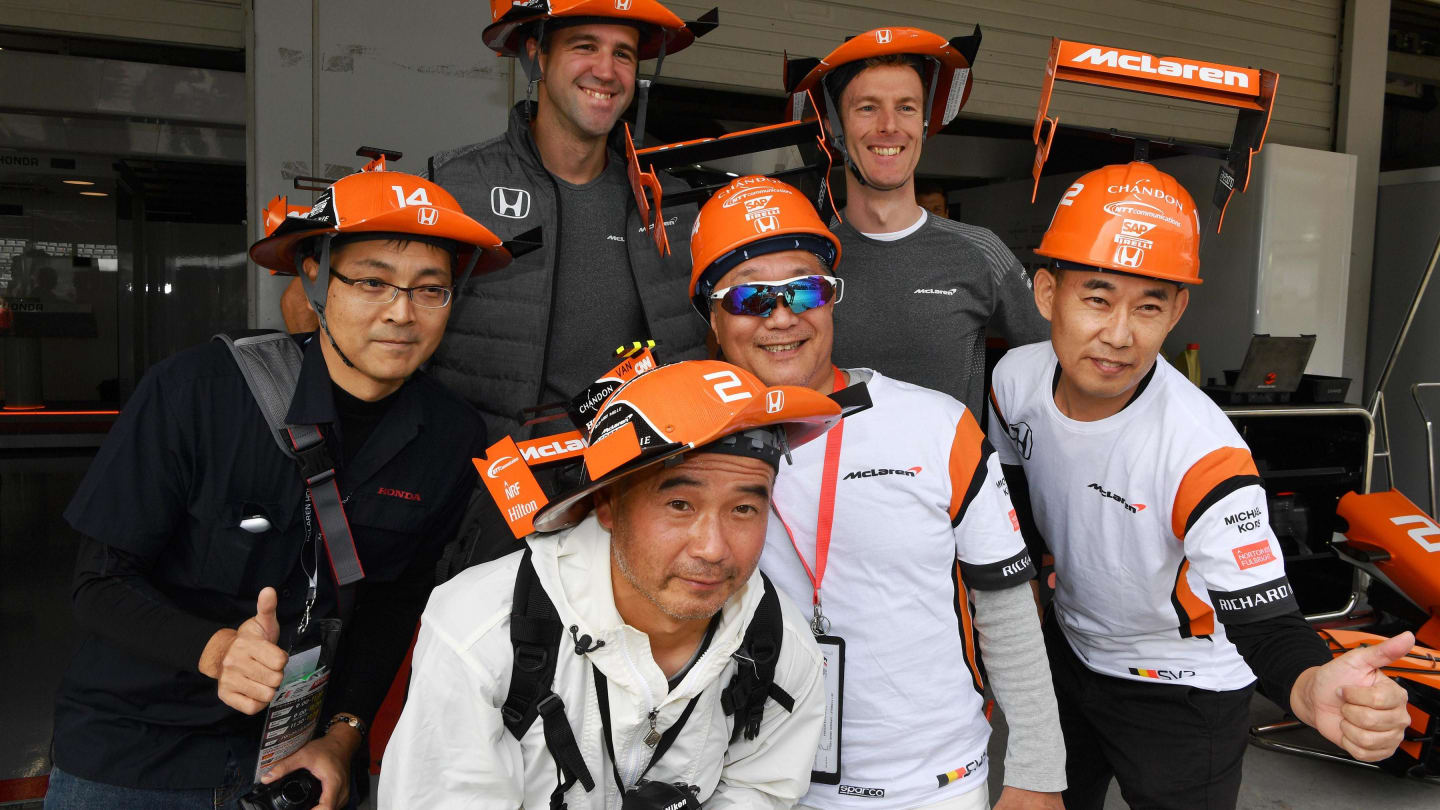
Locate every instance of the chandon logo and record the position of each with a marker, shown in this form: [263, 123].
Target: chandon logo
[911, 472]
[1131, 507]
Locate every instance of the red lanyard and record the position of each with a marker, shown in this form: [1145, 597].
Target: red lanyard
[825, 520]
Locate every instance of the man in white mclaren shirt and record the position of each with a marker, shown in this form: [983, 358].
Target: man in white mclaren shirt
[632, 657]
[870, 524]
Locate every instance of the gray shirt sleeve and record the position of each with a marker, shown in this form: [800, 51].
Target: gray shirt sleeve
[1016, 318]
[1019, 672]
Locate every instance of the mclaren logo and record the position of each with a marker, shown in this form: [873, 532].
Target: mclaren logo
[774, 401]
[1132, 508]
[909, 473]
[427, 216]
[1131, 62]
[554, 448]
[513, 203]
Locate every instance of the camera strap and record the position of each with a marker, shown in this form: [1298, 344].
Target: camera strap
[602, 698]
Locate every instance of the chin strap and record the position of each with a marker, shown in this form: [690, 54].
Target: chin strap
[318, 291]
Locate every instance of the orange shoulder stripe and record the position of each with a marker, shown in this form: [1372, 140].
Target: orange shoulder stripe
[966, 452]
[1213, 469]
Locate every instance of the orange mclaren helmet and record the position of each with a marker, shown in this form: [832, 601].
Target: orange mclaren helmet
[694, 406]
[376, 202]
[751, 217]
[1129, 218]
[514, 23]
[944, 67]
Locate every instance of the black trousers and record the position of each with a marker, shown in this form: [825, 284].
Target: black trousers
[1170, 746]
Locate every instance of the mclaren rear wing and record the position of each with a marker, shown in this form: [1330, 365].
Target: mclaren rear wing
[1251, 92]
[644, 164]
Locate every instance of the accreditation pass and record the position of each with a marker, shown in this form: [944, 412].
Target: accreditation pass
[826, 769]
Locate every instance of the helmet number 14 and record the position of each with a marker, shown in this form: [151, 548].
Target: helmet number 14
[417, 197]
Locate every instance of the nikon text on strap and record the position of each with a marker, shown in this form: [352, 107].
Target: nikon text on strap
[270, 362]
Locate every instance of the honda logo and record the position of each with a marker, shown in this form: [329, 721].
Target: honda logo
[774, 401]
[1127, 256]
[510, 202]
[428, 216]
[622, 5]
[767, 224]
[883, 36]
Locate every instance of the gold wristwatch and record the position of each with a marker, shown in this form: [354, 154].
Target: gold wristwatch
[348, 719]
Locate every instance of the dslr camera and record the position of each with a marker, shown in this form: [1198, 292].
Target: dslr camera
[662, 796]
[298, 790]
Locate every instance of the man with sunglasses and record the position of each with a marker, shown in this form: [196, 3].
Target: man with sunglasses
[904, 490]
[200, 558]
[932, 287]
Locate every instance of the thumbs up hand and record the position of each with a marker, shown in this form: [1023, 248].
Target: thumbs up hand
[1353, 704]
[245, 662]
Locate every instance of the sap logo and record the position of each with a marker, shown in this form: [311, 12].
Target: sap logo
[909, 473]
[932, 291]
[1425, 528]
[513, 203]
[1145, 63]
[498, 465]
[398, 493]
[427, 216]
[1127, 256]
[1244, 521]
[1132, 227]
[1132, 508]
[862, 792]
[554, 448]
[756, 203]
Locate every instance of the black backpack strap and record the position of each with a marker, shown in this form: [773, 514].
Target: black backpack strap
[754, 680]
[270, 362]
[535, 634]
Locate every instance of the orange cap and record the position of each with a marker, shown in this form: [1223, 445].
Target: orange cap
[513, 22]
[949, 85]
[751, 217]
[1129, 218]
[376, 202]
[680, 408]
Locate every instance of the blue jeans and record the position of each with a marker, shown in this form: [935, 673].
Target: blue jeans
[70, 792]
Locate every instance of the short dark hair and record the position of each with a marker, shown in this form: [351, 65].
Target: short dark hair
[926, 186]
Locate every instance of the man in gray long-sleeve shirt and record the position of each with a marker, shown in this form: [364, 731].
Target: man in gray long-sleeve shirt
[930, 286]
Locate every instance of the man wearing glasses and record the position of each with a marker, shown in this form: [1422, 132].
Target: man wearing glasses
[199, 557]
[904, 490]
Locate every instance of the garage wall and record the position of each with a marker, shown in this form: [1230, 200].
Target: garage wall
[1299, 39]
[216, 23]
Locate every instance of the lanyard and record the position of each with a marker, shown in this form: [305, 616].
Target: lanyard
[825, 519]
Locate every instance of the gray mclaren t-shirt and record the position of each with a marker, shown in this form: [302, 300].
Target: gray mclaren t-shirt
[916, 308]
[596, 305]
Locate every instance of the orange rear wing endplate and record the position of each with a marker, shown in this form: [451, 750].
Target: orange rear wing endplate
[506, 467]
[1250, 91]
[645, 164]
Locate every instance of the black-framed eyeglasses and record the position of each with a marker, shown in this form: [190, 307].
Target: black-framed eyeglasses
[375, 291]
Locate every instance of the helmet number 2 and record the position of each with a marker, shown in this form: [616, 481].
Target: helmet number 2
[728, 382]
[1425, 528]
[417, 197]
[1069, 198]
